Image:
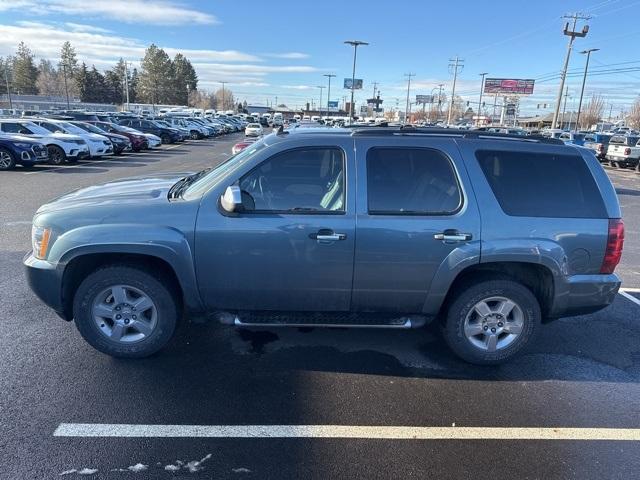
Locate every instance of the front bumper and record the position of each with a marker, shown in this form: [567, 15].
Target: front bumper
[46, 282]
[82, 152]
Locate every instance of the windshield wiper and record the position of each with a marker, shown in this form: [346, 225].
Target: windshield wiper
[181, 185]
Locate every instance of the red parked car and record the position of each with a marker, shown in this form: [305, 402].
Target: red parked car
[138, 140]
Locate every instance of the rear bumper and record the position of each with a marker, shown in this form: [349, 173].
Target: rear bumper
[45, 281]
[582, 294]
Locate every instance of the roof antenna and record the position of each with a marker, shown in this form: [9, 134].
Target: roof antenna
[281, 131]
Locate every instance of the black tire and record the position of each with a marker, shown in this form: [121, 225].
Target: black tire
[56, 155]
[166, 139]
[464, 303]
[8, 161]
[194, 134]
[153, 286]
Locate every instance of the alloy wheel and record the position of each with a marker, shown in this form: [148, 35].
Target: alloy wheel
[124, 314]
[494, 323]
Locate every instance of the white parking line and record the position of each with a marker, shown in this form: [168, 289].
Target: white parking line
[623, 292]
[344, 431]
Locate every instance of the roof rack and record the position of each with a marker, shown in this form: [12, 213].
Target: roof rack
[449, 132]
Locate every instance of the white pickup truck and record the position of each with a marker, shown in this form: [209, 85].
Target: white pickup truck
[623, 151]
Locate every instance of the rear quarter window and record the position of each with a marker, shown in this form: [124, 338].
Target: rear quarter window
[531, 184]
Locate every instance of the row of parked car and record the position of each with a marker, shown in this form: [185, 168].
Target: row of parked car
[57, 139]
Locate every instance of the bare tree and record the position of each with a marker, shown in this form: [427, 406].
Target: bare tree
[592, 112]
[226, 101]
[633, 119]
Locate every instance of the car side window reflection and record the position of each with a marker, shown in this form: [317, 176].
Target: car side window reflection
[308, 180]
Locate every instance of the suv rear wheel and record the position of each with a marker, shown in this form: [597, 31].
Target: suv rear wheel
[491, 321]
[124, 311]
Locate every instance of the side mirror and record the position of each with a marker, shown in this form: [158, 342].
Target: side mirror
[231, 201]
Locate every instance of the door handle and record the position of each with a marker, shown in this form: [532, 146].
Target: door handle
[453, 236]
[327, 235]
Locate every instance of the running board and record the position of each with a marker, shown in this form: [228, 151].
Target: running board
[321, 320]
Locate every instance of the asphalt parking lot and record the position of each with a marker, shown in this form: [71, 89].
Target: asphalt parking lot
[322, 404]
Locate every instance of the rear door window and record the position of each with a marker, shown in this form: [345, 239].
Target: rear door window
[529, 184]
[411, 181]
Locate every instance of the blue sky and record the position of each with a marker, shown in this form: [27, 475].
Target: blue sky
[283, 48]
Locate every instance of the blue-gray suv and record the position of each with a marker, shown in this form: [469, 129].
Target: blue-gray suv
[486, 234]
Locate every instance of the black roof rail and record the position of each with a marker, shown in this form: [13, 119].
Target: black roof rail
[450, 132]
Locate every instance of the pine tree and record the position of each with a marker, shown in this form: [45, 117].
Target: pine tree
[69, 66]
[156, 78]
[81, 82]
[24, 70]
[185, 79]
[97, 88]
[134, 86]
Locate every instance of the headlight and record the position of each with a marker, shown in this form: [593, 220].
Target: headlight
[40, 237]
[23, 145]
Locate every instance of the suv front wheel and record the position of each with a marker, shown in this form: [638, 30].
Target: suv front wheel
[491, 321]
[124, 311]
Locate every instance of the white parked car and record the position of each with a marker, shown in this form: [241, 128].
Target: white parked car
[253, 130]
[60, 146]
[154, 140]
[99, 145]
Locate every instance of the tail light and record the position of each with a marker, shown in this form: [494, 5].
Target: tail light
[627, 151]
[601, 147]
[615, 241]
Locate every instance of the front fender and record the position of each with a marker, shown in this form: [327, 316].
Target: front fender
[165, 243]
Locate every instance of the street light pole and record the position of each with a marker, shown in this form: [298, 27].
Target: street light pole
[329, 75]
[126, 82]
[321, 87]
[584, 80]
[355, 44]
[406, 111]
[223, 106]
[480, 101]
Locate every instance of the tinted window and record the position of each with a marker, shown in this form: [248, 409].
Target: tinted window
[617, 140]
[411, 181]
[50, 126]
[542, 185]
[15, 128]
[301, 180]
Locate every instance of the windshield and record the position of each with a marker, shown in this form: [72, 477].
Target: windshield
[198, 188]
[90, 128]
[71, 128]
[36, 129]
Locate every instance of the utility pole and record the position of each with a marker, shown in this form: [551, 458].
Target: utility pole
[321, 87]
[6, 79]
[480, 101]
[375, 85]
[223, 106]
[564, 108]
[329, 76]
[355, 44]
[584, 80]
[126, 83]
[457, 64]
[406, 111]
[495, 101]
[572, 34]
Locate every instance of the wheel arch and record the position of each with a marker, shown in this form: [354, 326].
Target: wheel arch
[538, 278]
[80, 266]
